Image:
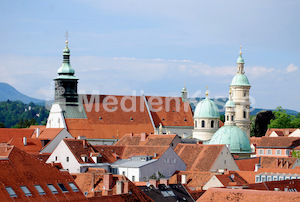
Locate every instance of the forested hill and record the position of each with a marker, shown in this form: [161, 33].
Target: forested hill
[19, 115]
[7, 92]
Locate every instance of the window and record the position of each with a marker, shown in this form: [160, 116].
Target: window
[26, 191]
[269, 152]
[261, 152]
[203, 124]
[278, 151]
[269, 178]
[52, 188]
[232, 119]
[195, 124]
[55, 158]
[174, 160]
[123, 173]
[40, 189]
[227, 118]
[133, 178]
[245, 94]
[73, 187]
[224, 161]
[11, 192]
[257, 179]
[212, 123]
[287, 152]
[62, 187]
[245, 115]
[67, 159]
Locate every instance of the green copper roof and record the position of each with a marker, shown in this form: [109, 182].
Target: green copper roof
[66, 77]
[240, 59]
[230, 103]
[206, 109]
[240, 80]
[66, 68]
[233, 136]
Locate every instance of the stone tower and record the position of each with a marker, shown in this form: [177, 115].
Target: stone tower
[184, 94]
[240, 88]
[66, 82]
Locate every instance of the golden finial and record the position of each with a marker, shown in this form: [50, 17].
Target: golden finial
[229, 92]
[206, 91]
[240, 49]
[67, 36]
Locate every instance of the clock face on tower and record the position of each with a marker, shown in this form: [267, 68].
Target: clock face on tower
[61, 90]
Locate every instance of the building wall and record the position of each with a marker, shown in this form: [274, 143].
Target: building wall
[53, 144]
[56, 117]
[166, 165]
[296, 133]
[205, 133]
[130, 172]
[182, 132]
[278, 152]
[213, 182]
[225, 161]
[62, 152]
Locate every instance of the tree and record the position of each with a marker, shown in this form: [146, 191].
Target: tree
[260, 123]
[2, 125]
[284, 120]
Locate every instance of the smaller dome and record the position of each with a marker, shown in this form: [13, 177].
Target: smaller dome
[66, 50]
[233, 136]
[206, 109]
[66, 68]
[240, 80]
[240, 59]
[230, 103]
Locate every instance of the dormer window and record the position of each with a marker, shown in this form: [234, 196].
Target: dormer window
[11, 192]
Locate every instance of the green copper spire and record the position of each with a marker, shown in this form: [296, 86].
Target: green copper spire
[240, 59]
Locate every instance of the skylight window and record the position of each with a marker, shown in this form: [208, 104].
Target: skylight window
[62, 187]
[52, 188]
[40, 189]
[11, 192]
[26, 191]
[73, 187]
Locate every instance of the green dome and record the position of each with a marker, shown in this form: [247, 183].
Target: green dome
[230, 103]
[206, 109]
[240, 80]
[233, 136]
[240, 59]
[66, 68]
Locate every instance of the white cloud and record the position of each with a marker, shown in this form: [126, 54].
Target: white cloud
[291, 68]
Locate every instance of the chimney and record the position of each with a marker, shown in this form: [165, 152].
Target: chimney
[153, 182]
[126, 186]
[37, 132]
[131, 135]
[84, 143]
[183, 179]
[199, 142]
[164, 181]
[81, 138]
[276, 189]
[25, 141]
[107, 181]
[155, 155]
[119, 187]
[257, 166]
[143, 136]
[286, 132]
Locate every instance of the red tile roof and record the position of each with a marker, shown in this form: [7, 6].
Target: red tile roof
[249, 176]
[277, 162]
[226, 179]
[171, 111]
[281, 185]
[151, 140]
[235, 195]
[92, 183]
[143, 151]
[33, 146]
[110, 152]
[48, 133]
[194, 179]
[280, 131]
[6, 134]
[278, 142]
[198, 157]
[21, 169]
[247, 164]
[106, 125]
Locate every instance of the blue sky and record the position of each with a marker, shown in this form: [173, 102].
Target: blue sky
[121, 46]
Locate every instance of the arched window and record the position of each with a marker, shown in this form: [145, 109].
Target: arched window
[232, 119]
[227, 118]
[203, 123]
[212, 123]
[195, 123]
[245, 114]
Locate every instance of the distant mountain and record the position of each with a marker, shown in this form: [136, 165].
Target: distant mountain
[7, 92]
[220, 102]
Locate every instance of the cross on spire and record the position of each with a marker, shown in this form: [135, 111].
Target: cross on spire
[240, 49]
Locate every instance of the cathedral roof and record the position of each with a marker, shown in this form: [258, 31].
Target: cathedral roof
[233, 136]
[206, 109]
[240, 80]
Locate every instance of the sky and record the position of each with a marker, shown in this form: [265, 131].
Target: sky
[134, 47]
